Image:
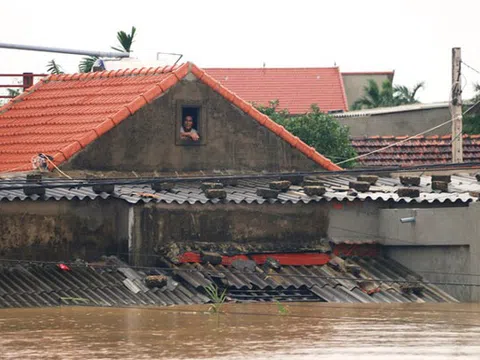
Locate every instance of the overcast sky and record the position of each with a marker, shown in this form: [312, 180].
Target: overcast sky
[414, 38]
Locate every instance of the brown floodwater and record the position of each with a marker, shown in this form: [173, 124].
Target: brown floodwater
[245, 331]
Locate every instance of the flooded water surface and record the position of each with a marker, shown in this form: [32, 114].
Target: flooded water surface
[254, 331]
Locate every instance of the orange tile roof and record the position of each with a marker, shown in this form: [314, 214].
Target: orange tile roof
[420, 150]
[62, 114]
[295, 88]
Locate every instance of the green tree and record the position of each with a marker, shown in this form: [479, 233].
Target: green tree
[86, 64]
[12, 93]
[471, 120]
[317, 129]
[387, 95]
[404, 95]
[54, 68]
[125, 42]
[375, 97]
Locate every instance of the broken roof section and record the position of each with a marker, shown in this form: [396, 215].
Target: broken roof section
[62, 114]
[296, 89]
[366, 279]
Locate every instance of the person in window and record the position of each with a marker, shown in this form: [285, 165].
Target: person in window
[187, 131]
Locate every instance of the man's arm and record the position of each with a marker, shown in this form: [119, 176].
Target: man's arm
[193, 135]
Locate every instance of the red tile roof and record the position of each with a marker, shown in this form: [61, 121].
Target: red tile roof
[418, 151]
[62, 114]
[295, 88]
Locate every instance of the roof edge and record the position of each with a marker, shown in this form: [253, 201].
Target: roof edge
[389, 72]
[115, 73]
[344, 94]
[131, 108]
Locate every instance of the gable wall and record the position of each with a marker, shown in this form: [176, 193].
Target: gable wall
[146, 141]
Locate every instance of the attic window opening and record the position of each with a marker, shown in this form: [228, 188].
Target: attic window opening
[190, 123]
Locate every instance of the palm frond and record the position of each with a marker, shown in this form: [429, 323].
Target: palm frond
[54, 68]
[125, 40]
[87, 63]
[417, 87]
[13, 92]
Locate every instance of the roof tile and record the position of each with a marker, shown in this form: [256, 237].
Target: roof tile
[416, 151]
[295, 88]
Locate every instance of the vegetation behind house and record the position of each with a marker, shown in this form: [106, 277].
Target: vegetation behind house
[317, 129]
[387, 95]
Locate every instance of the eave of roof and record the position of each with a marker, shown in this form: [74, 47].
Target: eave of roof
[393, 109]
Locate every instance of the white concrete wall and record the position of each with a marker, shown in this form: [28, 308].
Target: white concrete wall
[443, 245]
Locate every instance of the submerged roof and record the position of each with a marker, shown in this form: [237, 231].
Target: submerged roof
[374, 280]
[420, 150]
[62, 114]
[295, 88]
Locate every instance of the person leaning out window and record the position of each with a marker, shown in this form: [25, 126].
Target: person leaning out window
[187, 131]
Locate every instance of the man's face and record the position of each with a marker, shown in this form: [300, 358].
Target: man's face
[188, 124]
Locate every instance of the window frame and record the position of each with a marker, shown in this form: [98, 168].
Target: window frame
[201, 122]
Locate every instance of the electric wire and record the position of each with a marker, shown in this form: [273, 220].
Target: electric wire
[470, 67]
[52, 183]
[204, 272]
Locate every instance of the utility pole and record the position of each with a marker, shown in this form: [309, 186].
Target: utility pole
[456, 106]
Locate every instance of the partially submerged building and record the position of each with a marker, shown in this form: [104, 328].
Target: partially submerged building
[262, 217]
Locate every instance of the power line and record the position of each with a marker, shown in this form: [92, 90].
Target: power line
[52, 183]
[470, 67]
[195, 270]
[395, 144]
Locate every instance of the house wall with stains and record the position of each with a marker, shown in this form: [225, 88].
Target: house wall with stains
[63, 230]
[442, 245]
[169, 230]
[399, 123]
[148, 141]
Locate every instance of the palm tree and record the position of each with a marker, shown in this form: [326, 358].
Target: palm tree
[374, 96]
[386, 96]
[125, 45]
[13, 92]
[54, 68]
[406, 96]
[87, 63]
[125, 40]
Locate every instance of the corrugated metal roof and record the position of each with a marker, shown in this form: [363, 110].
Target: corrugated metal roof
[313, 283]
[393, 109]
[337, 187]
[34, 284]
[30, 285]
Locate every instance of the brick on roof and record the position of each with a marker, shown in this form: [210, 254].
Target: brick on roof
[62, 114]
[295, 88]
[418, 151]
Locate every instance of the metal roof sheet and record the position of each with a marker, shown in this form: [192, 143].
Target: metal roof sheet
[318, 283]
[35, 284]
[337, 186]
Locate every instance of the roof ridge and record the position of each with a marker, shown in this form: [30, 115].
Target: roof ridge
[115, 73]
[272, 68]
